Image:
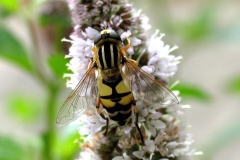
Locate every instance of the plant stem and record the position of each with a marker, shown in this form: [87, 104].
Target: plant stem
[35, 57]
[50, 134]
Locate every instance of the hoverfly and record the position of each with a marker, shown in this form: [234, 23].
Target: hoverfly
[117, 82]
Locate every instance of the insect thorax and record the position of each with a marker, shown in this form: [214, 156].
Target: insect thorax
[108, 56]
[109, 59]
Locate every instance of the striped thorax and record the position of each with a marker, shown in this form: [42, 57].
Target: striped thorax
[108, 53]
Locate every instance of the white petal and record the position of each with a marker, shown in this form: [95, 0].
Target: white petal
[155, 115]
[91, 32]
[155, 106]
[151, 110]
[152, 130]
[150, 145]
[126, 157]
[172, 144]
[158, 124]
[141, 119]
[130, 51]
[138, 154]
[153, 60]
[127, 129]
[135, 41]
[145, 24]
[173, 48]
[159, 138]
[125, 35]
[151, 155]
[144, 112]
[89, 154]
[147, 69]
[118, 158]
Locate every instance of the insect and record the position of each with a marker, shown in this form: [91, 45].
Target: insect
[117, 82]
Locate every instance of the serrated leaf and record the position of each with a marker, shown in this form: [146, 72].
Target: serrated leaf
[12, 50]
[24, 108]
[57, 63]
[11, 150]
[192, 91]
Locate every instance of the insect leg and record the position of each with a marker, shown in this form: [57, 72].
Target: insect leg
[107, 124]
[100, 113]
[128, 45]
[136, 121]
[90, 63]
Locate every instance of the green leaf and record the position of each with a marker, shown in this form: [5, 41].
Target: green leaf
[192, 91]
[66, 143]
[57, 63]
[12, 50]
[59, 19]
[11, 150]
[10, 6]
[198, 27]
[24, 108]
[234, 85]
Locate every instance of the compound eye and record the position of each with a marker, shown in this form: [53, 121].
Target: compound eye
[97, 38]
[105, 34]
[115, 36]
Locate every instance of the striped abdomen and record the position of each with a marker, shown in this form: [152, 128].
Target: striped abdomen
[116, 99]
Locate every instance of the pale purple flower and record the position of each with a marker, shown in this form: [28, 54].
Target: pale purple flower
[80, 53]
[134, 41]
[92, 123]
[148, 148]
[154, 125]
[161, 64]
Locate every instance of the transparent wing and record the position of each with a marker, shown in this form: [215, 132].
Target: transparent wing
[147, 88]
[82, 98]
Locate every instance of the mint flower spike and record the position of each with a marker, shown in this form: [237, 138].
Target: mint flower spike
[162, 129]
[160, 63]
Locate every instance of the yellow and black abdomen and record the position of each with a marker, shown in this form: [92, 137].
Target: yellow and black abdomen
[116, 99]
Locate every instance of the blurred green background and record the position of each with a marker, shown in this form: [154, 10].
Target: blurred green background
[32, 64]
